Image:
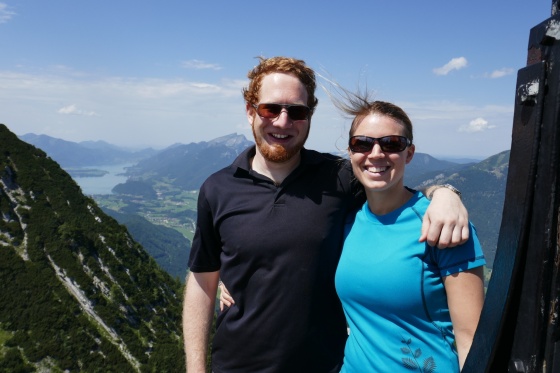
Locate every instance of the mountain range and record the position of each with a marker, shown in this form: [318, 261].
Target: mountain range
[86, 153]
[187, 165]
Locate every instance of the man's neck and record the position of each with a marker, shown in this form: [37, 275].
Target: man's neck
[275, 171]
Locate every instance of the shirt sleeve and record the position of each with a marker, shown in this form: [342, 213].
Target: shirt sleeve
[206, 244]
[460, 258]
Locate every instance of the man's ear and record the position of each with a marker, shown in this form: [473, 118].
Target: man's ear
[251, 113]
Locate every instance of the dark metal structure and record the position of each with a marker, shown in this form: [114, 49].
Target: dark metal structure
[519, 328]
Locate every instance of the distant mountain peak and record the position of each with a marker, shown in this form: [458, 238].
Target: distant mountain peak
[231, 140]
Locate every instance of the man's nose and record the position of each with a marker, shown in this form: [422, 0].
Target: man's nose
[283, 119]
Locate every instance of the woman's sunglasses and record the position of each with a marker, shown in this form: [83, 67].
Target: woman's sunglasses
[389, 144]
[271, 111]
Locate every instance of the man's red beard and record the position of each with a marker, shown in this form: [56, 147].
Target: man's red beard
[277, 152]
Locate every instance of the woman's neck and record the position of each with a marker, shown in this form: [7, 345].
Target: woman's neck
[385, 201]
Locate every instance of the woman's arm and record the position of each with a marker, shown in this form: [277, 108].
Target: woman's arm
[465, 297]
[226, 300]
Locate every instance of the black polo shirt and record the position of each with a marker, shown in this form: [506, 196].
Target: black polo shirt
[277, 248]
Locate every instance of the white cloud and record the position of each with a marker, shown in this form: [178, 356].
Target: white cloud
[455, 64]
[73, 110]
[501, 73]
[200, 65]
[5, 14]
[476, 125]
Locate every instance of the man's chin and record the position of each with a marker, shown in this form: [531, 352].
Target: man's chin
[278, 153]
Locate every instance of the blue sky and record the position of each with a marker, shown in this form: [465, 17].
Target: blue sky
[154, 73]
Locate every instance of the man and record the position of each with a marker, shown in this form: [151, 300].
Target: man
[270, 226]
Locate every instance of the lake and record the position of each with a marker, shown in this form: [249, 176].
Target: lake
[103, 184]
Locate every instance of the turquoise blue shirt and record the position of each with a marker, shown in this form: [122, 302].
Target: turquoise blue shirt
[393, 296]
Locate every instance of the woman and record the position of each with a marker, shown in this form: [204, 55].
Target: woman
[409, 306]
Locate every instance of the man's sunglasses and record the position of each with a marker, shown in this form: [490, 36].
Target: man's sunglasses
[271, 111]
[389, 144]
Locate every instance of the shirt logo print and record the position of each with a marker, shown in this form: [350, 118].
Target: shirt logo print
[412, 362]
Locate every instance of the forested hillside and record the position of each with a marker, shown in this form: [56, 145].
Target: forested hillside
[78, 294]
[168, 247]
